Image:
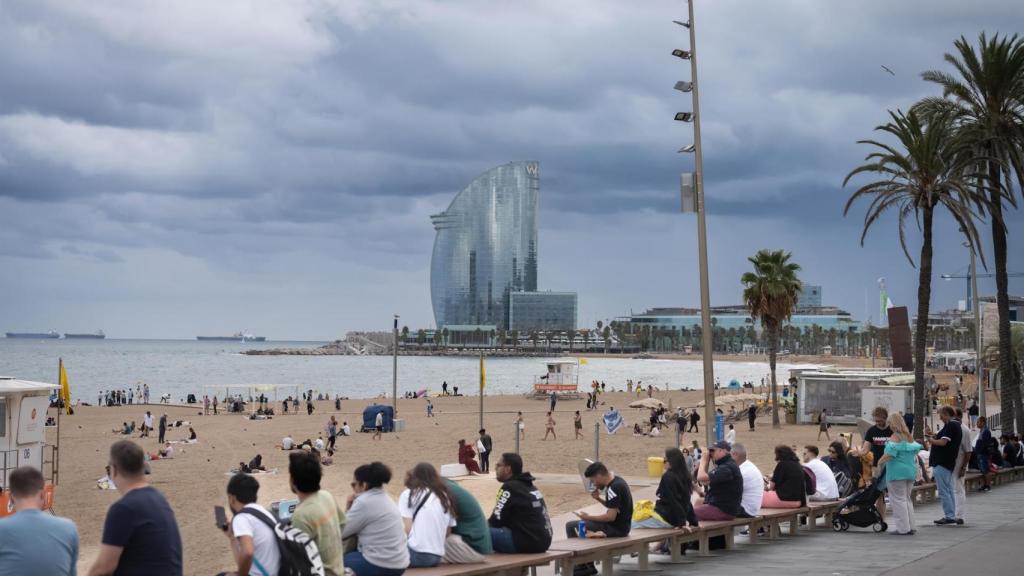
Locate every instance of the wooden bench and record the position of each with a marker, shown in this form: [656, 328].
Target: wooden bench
[825, 510]
[502, 564]
[604, 550]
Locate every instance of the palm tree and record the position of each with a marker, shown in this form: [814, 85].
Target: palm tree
[770, 293]
[926, 172]
[986, 95]
[606, 334]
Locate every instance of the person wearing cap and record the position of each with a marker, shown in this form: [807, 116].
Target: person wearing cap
[725, 484]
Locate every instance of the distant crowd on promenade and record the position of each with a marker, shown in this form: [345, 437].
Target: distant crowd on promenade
[435, 520]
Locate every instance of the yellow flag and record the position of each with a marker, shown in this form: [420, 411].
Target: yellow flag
[65, 389]
[483, 374]
[583, 361]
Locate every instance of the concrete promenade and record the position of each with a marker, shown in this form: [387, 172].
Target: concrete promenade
[986, 543]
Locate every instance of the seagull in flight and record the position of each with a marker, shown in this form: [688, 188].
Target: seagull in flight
[884, 67]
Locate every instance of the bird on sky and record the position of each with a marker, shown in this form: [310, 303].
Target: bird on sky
[884, 67]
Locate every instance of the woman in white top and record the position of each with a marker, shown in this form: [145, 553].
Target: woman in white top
[428, 513]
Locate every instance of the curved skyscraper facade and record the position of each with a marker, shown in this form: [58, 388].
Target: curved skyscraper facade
[486, 247]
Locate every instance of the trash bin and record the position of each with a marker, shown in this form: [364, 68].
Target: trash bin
[655, 466]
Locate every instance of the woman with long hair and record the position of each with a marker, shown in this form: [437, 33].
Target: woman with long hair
[467, 457]
[428, 513]
[786, 488]
[900, 461]
[673, 508]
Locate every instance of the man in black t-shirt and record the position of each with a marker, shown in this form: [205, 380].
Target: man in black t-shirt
[618, 515]
[874, 442]
[945, 444]
[140, 535]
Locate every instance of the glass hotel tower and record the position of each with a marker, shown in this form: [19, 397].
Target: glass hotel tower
[486, 247]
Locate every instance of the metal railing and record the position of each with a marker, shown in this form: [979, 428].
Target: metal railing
[47, 460]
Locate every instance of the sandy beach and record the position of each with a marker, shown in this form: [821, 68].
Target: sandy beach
[194, 481]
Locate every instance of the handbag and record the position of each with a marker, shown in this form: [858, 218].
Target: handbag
[642, 510]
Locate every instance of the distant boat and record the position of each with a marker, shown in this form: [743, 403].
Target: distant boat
[236, 337]
[97, 335]
[51, 335]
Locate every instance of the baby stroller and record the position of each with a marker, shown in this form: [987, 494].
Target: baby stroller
[859, 510]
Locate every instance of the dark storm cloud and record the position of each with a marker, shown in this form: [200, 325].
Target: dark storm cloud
[304, 145]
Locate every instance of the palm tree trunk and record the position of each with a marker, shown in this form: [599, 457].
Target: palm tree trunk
[1009, 387]
[773, 348]
[924, 294]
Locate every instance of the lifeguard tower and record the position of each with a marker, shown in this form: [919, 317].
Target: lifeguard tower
[562, 378]
[23, 408]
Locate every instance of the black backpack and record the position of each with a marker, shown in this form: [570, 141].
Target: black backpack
[299, 554]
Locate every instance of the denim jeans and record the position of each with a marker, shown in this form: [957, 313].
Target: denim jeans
[944, 483]
[362, 567]
[421, 559]
[501, 539]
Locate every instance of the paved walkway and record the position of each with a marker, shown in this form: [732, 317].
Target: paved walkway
[986, 543]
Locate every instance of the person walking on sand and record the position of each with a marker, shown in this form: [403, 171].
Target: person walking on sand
[206, 405]
[550, 427]
[521, 425]
[430, 408]
[694, 418]
[752, 415]
[577, 424]
[214, 404]
[553, 400]
[378, 424]
[823, 425]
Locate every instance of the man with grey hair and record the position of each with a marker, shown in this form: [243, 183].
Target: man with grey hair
[753, 483]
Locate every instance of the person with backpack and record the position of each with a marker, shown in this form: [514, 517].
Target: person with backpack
[826, 486]
[788, 486]
[839, 464]
[318, 513]
[251, 531]
[376, 524]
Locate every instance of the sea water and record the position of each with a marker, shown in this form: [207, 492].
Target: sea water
[180, 367]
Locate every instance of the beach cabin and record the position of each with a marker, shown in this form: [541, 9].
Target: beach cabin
[23, 406]
[839, 390]
[561, 377]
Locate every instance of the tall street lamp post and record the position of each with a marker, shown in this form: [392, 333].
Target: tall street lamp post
[394, 368]
[692, 189]
[979, 370]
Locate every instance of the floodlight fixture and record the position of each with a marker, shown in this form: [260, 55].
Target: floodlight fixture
[683, 24]
[684, 116]
[684, 86]
[689, 149]
[683, 54]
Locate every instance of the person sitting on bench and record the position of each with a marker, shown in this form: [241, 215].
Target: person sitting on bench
[725, 484]
[787, 486]
[520, 521]
[616, 520]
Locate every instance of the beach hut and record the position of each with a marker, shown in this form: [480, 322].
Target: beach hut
[23, 406]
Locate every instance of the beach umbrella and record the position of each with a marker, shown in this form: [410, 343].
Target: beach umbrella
[647, 403]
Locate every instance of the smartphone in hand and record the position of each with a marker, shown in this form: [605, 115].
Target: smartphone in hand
[220, 517]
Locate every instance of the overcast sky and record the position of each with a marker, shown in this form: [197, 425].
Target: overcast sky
[170, 169]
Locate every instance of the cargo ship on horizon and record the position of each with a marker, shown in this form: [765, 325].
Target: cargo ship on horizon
[51, 335]
[97, 335]
[236, 337]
